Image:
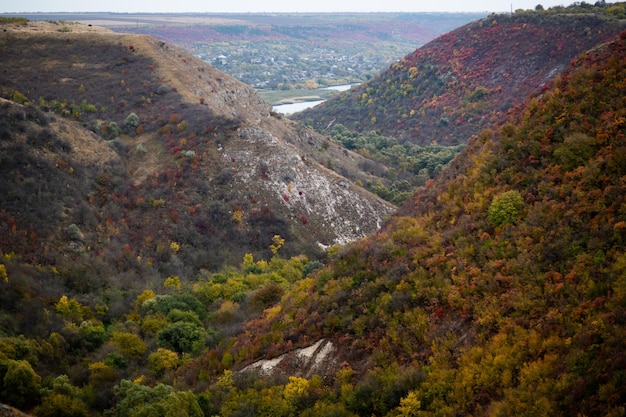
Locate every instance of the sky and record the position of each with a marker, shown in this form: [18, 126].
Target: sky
[259, 6]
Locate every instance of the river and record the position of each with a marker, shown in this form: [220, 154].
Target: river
[296, 107]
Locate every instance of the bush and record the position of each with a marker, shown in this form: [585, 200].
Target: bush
[131, 123]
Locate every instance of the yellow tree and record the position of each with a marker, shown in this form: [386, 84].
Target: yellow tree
[162, 360]
[278, 243]
[3, 274]
[129, 344]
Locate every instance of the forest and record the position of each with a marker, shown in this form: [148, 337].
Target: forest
[498, 288]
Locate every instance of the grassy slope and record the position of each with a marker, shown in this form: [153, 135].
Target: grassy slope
[467, 79]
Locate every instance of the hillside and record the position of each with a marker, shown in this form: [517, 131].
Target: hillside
[194, 148]
[499, 290]
[125, 161]
[467, 79]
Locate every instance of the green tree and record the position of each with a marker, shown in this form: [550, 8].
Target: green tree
[93, 335]
[131, 123]
[182, 337]
[575, 150]
[505, 208]
[62, 400]
[20, 384]
[137, 400]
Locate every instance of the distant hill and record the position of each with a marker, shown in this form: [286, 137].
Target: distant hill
[288, 51]
[449, 89]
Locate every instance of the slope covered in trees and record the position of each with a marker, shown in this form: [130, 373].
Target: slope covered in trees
[449, 89]
[500, 289]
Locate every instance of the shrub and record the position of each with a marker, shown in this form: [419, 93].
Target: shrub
[19, 98]
[141, 149]
[131, 123]
[114, 129]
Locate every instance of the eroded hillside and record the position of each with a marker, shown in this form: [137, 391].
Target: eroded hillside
[200, 160]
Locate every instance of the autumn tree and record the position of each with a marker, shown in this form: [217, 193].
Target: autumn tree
[162, 360]
[277, 243]
[129, 344]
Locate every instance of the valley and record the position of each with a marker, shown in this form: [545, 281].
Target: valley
[172, 246]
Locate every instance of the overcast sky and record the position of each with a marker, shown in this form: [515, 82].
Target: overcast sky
[179, 6]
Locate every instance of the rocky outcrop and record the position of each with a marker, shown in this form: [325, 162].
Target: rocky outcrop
[318, 358]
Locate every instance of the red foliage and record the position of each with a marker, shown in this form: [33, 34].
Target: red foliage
[174, 215]
[466, 79]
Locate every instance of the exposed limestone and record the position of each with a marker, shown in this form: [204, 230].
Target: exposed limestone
[317, 358]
